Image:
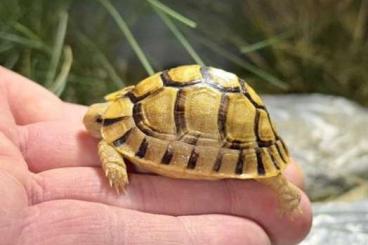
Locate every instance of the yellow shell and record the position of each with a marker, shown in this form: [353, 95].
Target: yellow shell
[194, 122]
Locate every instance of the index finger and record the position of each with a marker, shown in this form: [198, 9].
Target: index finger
[28, 101]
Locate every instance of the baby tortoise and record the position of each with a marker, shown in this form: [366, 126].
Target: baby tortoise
[191, 122]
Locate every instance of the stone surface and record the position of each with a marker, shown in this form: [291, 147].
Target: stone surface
[339, 224]
[327, 136]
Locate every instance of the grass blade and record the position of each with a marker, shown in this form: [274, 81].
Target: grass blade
[5, 47]
[169, 23]
[60, 82]
[128, 34]
[240, 62]
[104, 61]
[265, 43]
[26, 32]
[24, 41]
[57, 49]
[12, 61]
[157, 4]
[360, 26]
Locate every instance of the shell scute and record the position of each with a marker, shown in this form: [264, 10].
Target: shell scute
[196, 106]
[240, 128]
[185, 74]
[148, 85]
[158, 111]
[265, 129]
[118, 108]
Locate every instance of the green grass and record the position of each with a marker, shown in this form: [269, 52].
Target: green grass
[128, 34]
[57, 48]
[84, 49]
[179, 36]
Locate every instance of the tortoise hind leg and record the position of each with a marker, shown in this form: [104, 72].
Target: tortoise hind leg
[113, 165]
[288, 195]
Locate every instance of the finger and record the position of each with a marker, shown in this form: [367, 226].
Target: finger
[11, 159]
[75, 111]
[158, 194]
[57, 144]
[7, 122]
[28, 101]
[78, 222]
[295, 174]
[13, 178]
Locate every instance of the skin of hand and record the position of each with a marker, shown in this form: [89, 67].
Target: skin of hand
[52, 189]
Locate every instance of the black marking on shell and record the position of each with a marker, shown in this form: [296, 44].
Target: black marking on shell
[122, 139]
[190, 138]
[256, 126]
[179, 112]
[110, 121]
[273, 129]
[261, 143]
[218, 161]
[246, 94]
[192, 162]
[267, 143]
[135, 99]
[273, 159]
[221, 118]
[168, 155]
[142, 148]
[284, 146]
[132, 97]
[171, 83]
[240, 163]
[260, 167]
[138, 119]
[280, 153]
[236, 144]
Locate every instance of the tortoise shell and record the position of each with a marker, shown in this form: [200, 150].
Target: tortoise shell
[194, 122]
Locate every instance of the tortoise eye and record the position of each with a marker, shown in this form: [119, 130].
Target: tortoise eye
[99, 119]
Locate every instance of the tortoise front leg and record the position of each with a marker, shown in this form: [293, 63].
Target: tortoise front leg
[113, 165]
[289, 196]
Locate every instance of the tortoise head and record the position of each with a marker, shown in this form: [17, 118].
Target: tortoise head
[93, 118]
[117, 106]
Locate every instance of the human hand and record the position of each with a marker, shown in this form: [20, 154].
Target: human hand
[52, 189]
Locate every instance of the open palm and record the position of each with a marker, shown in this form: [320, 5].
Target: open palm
[52, 190]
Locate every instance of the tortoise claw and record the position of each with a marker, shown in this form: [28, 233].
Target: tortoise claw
[113, 166]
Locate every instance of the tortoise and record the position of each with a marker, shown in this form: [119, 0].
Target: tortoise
[192, 122]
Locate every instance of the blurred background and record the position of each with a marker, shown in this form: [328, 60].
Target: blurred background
[309, 56]
[285, 46]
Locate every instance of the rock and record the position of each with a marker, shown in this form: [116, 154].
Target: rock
[327, 136]
[339, 224]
